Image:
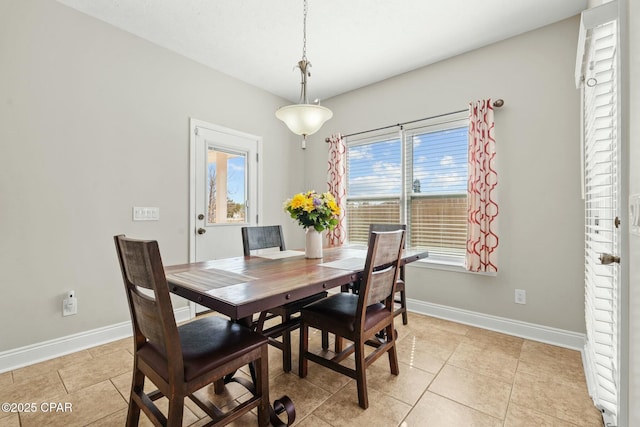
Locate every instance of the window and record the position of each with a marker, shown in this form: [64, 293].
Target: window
[417, 176]
[226, 186]
[374, 185]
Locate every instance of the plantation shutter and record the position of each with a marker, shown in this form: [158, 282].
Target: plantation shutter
[598, 80]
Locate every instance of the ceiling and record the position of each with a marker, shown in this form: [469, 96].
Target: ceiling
[350, 43]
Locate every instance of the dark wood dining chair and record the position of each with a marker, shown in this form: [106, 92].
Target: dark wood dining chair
[359, 317]
[265, 237]
[181, 360]
[400, 297]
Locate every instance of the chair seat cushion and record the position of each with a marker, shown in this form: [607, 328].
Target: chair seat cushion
[337, 314]
[207, 343]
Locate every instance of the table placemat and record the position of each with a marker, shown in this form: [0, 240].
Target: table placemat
[210, 278]
[280, 254]
[353, 264]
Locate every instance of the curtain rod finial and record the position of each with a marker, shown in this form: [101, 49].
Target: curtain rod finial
[498, 103]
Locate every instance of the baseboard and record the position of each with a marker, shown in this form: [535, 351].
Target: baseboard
[39, 352]
[559, 337]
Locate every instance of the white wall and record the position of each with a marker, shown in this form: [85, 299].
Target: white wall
[94, 121]
[541, 220]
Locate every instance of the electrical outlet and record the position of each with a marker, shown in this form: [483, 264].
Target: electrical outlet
[521, 296]
[69, 304]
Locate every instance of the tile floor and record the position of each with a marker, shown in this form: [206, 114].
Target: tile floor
[450, 375]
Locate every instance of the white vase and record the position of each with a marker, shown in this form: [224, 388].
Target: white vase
[313, 246]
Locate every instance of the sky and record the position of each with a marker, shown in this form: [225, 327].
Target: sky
[439, 164]
[236, 179]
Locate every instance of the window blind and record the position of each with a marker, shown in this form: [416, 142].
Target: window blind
[601, 205]
[437, 174]
[374, 185]
[417, 176]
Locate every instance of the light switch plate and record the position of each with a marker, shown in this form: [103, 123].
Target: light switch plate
[146, 213]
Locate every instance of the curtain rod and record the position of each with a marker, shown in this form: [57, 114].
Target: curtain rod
[497, 104]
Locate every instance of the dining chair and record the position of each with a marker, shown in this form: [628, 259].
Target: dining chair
[400, 297]
[265, 237]
[180, 360]
[359, 317]
[262, 237]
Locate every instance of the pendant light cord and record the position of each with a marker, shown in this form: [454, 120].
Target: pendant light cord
[304, 32]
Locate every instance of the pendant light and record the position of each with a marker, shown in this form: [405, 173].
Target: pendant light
[304, 118]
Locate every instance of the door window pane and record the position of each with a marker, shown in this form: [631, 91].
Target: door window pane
[226, 186]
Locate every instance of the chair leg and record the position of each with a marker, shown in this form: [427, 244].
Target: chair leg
[176, 408]
[403, 304]
[325, 340]
[137, 386]
[218, 386]
[262, 386]
[338, 344]
[286, 346]
[361, 375]
[304, 346]
[393, 354]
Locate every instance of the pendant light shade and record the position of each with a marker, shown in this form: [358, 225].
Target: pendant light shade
[304, 118]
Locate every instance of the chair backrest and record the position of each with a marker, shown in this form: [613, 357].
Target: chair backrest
[148, 296]
[381, 269]
[390, 227]
[387, 227]
[263, 237]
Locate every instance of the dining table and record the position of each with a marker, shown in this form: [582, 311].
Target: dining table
[242, 286]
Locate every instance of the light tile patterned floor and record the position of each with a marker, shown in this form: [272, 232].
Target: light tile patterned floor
[450, 375]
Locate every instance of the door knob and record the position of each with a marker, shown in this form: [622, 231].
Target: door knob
[608, 259]
[201, 231]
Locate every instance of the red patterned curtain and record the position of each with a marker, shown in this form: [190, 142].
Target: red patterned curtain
[482, 240]
[337, 183]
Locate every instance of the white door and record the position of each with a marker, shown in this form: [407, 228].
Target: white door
[224, 189]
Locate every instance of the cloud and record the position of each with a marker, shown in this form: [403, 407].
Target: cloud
[360, 152]
[447, 161]
[384, 178]
[453, 179]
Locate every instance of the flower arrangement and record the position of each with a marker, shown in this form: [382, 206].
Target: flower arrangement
[315, 210]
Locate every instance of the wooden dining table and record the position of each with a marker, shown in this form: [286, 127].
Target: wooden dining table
[239, 287]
